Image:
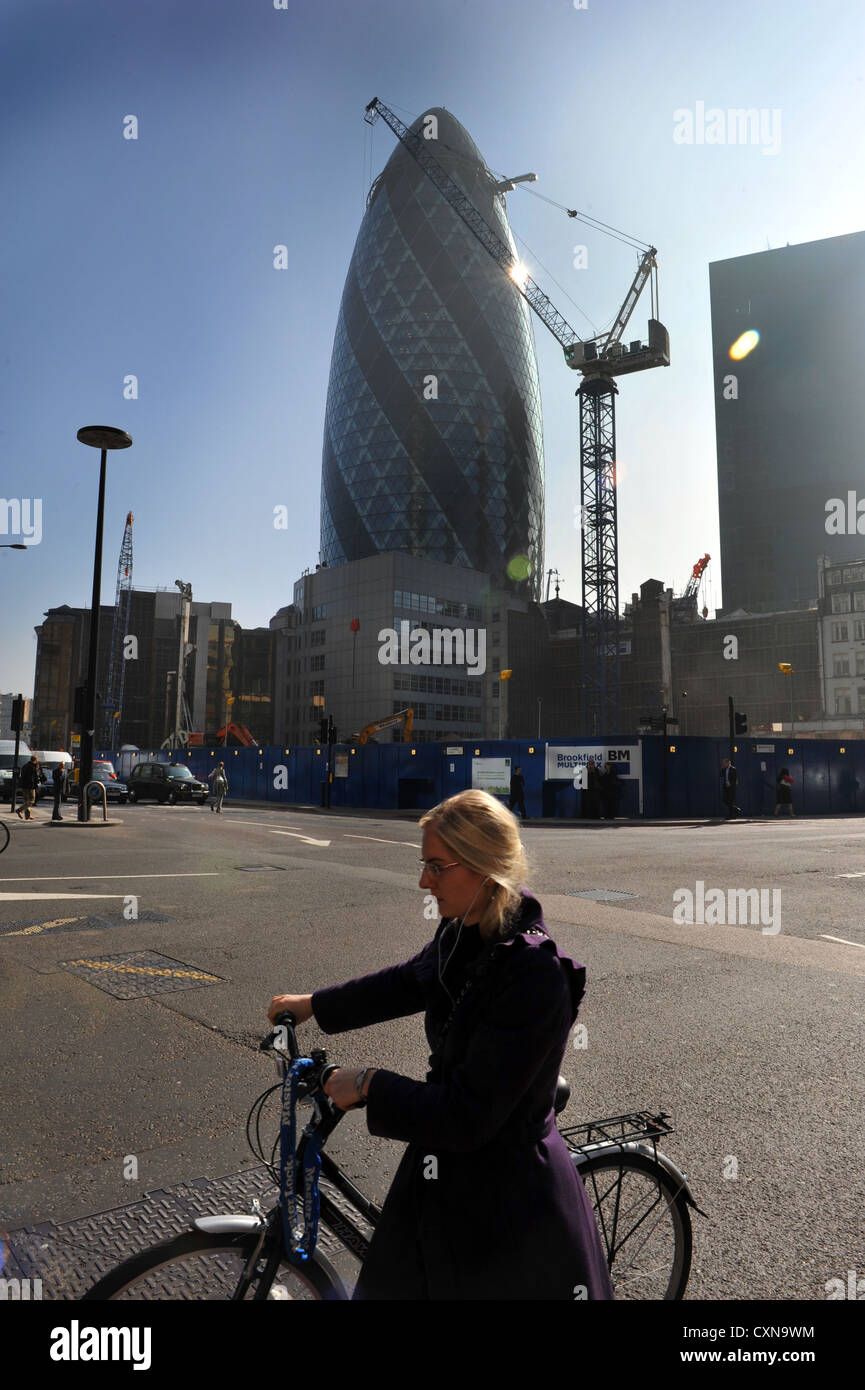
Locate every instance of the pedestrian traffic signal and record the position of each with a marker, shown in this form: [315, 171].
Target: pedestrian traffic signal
[331, 730]
[322, 731]
[741, 722]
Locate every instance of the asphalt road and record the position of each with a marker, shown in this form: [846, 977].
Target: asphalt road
[750, 1036]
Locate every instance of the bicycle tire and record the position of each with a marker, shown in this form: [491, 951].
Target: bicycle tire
[648, 1261]
[5, 836]
[203, 1266]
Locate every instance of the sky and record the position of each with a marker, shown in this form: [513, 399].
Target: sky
[152, 258]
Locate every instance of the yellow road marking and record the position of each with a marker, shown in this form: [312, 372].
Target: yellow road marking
[44, 926]
[144, 970]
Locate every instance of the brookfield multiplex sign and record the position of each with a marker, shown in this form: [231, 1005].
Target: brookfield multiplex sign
[565, 761]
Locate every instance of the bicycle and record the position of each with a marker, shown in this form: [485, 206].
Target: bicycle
[5, 836]
[276, 1255]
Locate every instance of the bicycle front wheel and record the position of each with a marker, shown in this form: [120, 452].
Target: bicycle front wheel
[644, 1223]
[198, 1266]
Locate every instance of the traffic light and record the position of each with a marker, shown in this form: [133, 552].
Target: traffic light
[741, 721]
[17, 721]
[322, 731]
[331, 730]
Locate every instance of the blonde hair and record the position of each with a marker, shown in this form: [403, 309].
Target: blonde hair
[482, 834]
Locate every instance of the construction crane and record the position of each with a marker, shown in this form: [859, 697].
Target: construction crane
[599, 360]
[684, 606]
[112, 705]
[405, 716]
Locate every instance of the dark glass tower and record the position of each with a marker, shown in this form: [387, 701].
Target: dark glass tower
[433, 440]
[789, 417]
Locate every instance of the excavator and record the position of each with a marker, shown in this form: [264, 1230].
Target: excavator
[238, 732]
[405, 716]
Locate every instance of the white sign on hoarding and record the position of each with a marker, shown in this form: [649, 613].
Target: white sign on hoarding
[492, 775]
[340, 767]
[451, 751]
[568, 762]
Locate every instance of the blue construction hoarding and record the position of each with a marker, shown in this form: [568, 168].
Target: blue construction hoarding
[655, 777]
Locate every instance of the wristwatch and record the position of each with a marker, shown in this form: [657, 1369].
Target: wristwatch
[358, 1085]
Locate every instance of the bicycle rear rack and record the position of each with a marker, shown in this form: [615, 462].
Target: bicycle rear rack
[619, 1129]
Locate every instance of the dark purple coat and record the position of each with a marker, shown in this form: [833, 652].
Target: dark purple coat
[486, 1202]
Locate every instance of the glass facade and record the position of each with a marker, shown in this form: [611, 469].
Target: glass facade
[433, 440]
[790, 417]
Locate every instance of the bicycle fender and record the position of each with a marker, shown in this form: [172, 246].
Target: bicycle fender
[647, 1151]
[228, 1225]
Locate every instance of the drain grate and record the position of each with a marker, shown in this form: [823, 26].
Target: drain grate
[599, 895]
[63, 924]
[139, 973]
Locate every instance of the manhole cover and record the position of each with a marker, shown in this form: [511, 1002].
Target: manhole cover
[599, 895]
[259, 868]
[139, 973]
[62, 924]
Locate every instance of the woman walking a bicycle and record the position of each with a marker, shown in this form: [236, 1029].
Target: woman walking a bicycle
[486, 1202]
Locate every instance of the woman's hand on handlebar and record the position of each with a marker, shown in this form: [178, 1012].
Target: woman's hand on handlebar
[298, 1004]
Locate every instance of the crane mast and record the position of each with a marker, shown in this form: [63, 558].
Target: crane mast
[599, 360]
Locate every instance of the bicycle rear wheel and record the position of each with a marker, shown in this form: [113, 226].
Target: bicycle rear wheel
[644, 1223]
[198, 1266]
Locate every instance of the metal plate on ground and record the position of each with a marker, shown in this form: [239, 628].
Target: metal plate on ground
[69, 1257]
[63, 924]
[599, 895]
[139, 973]
[259, 868]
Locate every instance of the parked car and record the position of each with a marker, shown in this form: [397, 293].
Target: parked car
[171, 782]
[114, 789]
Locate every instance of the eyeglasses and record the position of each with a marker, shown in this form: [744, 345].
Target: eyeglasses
[434, 870]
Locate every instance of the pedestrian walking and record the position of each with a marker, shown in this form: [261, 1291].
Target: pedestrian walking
[729, 779]
[784, 791]
[518, 787]
[31, 776]
[591, 805]
[609, 791]
[219, 778]
[58, 777]
[486, 1202]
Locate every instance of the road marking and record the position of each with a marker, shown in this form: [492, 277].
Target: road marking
[380, 841]
[102, 878]
[51, 897]
[144, 970]
[843, 941]
[861, 875]
[44, 926]
[297, 835]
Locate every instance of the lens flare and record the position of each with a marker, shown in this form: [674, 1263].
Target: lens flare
[744, 344]
[519, 273]
[519, 567]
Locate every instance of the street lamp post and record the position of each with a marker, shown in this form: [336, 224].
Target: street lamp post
[102, 437]
[539, 716]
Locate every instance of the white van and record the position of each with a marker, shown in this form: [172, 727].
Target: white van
[48, 760]
[7, 760]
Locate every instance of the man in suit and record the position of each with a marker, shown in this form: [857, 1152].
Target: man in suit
[728, 787]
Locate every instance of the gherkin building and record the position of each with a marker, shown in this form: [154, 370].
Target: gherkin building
[433, 439]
